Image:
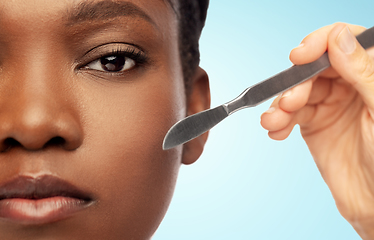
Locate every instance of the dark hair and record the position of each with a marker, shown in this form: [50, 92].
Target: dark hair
[192, 15]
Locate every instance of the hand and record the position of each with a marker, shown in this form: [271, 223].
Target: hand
[335, 111]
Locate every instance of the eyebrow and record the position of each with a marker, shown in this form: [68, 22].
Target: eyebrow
[104, 10]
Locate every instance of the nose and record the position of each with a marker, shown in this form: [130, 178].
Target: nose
[35, 115]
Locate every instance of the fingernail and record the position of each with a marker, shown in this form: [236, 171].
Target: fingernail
[346, 41]
[270, 110]
[286, 94]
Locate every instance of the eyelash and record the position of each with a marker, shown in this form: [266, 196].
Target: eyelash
[138, 56]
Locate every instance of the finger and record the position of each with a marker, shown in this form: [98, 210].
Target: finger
[312, 47]
[352, 62]
[295, 98]
[279, 119]
[282, 133]
[331, 72]
[275, 118]
[302, 117]
[315, 44]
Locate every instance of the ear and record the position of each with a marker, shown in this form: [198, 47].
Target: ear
[198, 100]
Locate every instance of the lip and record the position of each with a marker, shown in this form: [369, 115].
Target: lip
[40, 200]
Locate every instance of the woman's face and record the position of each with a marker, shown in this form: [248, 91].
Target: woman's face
[88, 90]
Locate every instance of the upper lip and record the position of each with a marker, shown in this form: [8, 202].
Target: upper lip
[45, 186]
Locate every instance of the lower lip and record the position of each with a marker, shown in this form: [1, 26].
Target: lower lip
[40, 211]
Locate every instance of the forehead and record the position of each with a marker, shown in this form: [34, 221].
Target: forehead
[34, 13]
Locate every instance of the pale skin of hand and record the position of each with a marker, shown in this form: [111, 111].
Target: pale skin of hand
[335, 111]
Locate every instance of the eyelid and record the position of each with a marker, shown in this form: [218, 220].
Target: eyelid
[109, 49]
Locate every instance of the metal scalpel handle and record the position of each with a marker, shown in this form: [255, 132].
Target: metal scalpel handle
[289, 78]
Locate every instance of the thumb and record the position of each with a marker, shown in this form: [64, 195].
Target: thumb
[352, 62]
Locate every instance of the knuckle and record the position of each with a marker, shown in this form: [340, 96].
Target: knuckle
[366, 70]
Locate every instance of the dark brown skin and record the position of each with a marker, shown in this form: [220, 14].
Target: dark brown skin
[109, 126]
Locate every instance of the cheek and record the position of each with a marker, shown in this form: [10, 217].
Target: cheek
[124, 126]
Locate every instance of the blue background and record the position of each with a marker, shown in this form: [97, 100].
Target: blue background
[245, 185]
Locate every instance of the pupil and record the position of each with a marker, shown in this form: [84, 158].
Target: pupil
[113, 63]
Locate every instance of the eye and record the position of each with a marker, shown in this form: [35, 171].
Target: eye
[113, 60]
[112, 63]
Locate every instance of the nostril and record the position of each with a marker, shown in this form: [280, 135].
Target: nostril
[9, 143]
[55, 141]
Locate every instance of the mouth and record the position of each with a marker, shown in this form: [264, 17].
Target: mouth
[40, 200]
